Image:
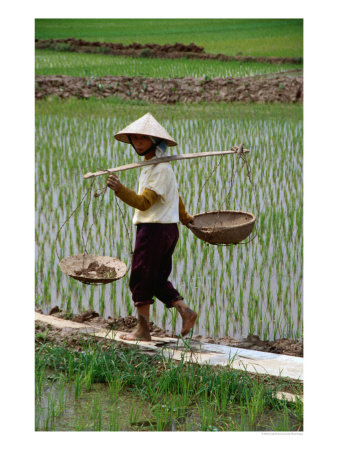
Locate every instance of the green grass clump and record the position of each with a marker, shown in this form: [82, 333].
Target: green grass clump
[252, 37]
[152, 393]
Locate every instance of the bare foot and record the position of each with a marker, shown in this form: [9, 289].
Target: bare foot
[137, 335]
[188, 320]
[141, 332]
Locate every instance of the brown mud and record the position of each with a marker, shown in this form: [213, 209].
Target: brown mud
[274, 88]
[71, 336]
[96, 270]
[177, 50]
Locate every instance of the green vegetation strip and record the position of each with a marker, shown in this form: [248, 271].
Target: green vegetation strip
[111, 106]
[51, 62]
[252, 37]
[191, 396]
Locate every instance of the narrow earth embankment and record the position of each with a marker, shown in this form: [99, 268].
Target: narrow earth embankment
[172, 51]
[265, 89]
[280, 346]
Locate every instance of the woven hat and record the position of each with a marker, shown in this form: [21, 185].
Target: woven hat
[148, 126]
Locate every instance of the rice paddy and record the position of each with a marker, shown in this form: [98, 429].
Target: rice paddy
[106, 388]
[51, 62]
[252, 37]
[254, 288]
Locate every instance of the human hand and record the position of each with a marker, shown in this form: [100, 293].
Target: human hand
[191, 222]
[113, 183]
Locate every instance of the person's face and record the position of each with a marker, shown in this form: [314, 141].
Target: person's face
[141, 143]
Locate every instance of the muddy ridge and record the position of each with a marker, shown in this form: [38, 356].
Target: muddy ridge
[177, 50]
[281, 346]
[264, 89]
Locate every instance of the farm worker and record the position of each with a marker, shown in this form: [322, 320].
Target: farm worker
[158, 208]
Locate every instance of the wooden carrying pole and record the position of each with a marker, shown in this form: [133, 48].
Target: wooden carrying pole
[162, 160]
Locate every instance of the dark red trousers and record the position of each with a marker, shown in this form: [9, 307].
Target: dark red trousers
[152, 263]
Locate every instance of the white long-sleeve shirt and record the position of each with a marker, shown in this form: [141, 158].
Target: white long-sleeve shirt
[161, 179]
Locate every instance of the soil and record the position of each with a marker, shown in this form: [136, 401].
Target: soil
[90, 317]
[177, 50]
[277, 87]
[96, 270]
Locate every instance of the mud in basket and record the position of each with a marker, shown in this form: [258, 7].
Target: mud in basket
[223, 227]
[93, 269]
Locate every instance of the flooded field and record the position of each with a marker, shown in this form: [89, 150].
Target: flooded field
[70, 407]
[104, 387]
[50, 62]
[254, 288]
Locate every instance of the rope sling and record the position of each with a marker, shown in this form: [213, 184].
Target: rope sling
[225, 227]
[222, 228]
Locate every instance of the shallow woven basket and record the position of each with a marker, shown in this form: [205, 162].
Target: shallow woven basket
[77, 262]
[223, 227]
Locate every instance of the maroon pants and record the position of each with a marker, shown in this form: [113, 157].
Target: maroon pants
[151, 264]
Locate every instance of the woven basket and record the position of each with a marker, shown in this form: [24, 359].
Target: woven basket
[76, 263]
[222, 227]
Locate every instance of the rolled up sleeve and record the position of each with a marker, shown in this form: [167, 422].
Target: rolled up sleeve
[185, 218]
[139, 201]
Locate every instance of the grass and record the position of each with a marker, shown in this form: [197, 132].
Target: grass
[85, 390]
[105, 108]
[252, 37]
[50, 62]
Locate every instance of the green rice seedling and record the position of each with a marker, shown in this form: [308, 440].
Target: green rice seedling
[70, 366]
[279, 289]
[285, 424]
[227, 322]
[251, 321]
[98, 421]
[115, 385]
[173, 319]
[129, 305]
[69, 303]
[40, 377]
[266, 329]
[50, 419]
[254, 403]
[88, 379]
[298, 410]
[114, 421]
[38, 416]
[134, 413]
[61, 398]
[78, 385]
[207, 416]
[299, 311]
[91, 297]
[216, 321]
[243, 423]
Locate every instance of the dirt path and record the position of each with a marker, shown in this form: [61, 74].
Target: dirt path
[177, 50]
[90, 317]
[265, 89]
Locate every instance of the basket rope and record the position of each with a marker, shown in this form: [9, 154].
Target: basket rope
[238, 150]
[69, 217]
[97, 193]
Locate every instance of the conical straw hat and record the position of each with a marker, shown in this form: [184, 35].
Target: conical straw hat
[148, 126]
